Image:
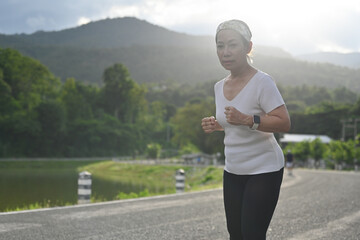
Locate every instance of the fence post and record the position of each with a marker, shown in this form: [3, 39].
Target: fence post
[180, 181]
[84, 187]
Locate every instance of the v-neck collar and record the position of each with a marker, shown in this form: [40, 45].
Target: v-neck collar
[241, 90]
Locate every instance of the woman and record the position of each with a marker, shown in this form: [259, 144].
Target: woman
[249, 108]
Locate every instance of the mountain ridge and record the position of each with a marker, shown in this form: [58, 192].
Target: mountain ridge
[351, 60]
[110, 33]
[154, 54]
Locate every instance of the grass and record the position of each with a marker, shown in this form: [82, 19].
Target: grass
[51, 164]
[36, 205]
[152, 179]
[156, 176]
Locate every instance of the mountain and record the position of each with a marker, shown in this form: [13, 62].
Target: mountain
[270, 51]
[151, 53]
[108, 33]
[154, 54]
[351, 60]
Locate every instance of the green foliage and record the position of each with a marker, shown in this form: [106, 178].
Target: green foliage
[322, 120]
[317, 149]
[349, 152]
[204, 178]
[187, 126]
[357, 150]
[146, 180]
[24, 84]
[29, 81]
[122, 97]
[301, 150]
[188, 149]
[52, 122]
[123, 195]
[171, 56]
[37, 205]
[335, 153]
[77, 99]
[40, 117]
[342, 152]
[292, 72]
[156, 55]
[153, 150]
[8, 104]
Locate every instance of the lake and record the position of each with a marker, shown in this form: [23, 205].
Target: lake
[53, 187]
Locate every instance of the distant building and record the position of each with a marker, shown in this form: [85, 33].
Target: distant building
[199, 158]
[295, 138]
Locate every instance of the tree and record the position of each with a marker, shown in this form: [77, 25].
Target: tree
[349, 151]
[317, 150]
[342, 152]
[52, 120]
[357, 150]
[355, 110]
[153, 150]
[301, 151]
[30, 82]
[8, 104]
[335, 152]
[187, 126]
[76, 105]
[24, 85]
[344, 95]
[123, 98]
[101, 137]
[313, 123]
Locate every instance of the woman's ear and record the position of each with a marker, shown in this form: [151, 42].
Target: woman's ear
[250, 47]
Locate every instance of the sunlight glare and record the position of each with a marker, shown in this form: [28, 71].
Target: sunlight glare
[281, 23]
[83, 20]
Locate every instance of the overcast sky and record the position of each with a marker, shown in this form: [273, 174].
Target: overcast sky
[297, 26]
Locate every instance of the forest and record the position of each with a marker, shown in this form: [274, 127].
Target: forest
[41, 116]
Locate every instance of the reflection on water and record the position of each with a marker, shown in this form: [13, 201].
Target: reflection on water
[23, 187]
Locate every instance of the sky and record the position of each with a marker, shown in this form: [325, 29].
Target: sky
[296, 26]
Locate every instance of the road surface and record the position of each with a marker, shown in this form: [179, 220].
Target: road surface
[312, 205]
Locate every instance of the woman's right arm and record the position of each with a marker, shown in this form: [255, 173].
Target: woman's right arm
[210, 124]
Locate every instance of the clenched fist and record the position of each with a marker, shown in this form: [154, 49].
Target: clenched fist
[209, 124]
[235, 117]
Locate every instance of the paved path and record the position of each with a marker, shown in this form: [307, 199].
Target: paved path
[313, 205]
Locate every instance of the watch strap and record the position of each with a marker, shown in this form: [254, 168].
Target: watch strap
[256, 122]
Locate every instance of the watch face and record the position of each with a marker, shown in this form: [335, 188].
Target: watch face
[256, 119]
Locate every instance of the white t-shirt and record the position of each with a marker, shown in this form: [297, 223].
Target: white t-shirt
[250, 151]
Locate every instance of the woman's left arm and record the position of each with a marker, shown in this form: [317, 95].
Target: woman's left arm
[278, 120]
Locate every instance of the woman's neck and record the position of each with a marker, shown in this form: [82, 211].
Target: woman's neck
[242, 74]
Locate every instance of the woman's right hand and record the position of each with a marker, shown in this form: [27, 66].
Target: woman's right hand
[209, 124]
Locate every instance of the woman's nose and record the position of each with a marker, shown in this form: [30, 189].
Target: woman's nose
[226, 51]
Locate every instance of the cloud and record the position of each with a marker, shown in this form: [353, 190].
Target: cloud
[123, 11]
[83, 20]
[298, 27]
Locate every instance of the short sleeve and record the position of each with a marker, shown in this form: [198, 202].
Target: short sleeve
[270, 97]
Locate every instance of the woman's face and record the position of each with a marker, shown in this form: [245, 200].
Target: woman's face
[231, 51]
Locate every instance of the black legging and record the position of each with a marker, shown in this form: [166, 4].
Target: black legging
[250, 201]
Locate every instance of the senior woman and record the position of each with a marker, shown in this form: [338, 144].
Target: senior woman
[249, 108]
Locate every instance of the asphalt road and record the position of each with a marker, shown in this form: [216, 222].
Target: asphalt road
[313, 205]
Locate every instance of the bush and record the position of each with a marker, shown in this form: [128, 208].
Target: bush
[153, 150]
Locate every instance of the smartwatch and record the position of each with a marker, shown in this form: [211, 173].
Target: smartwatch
[256, 122]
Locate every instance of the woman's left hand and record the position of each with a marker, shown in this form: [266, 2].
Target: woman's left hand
[235, 117]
